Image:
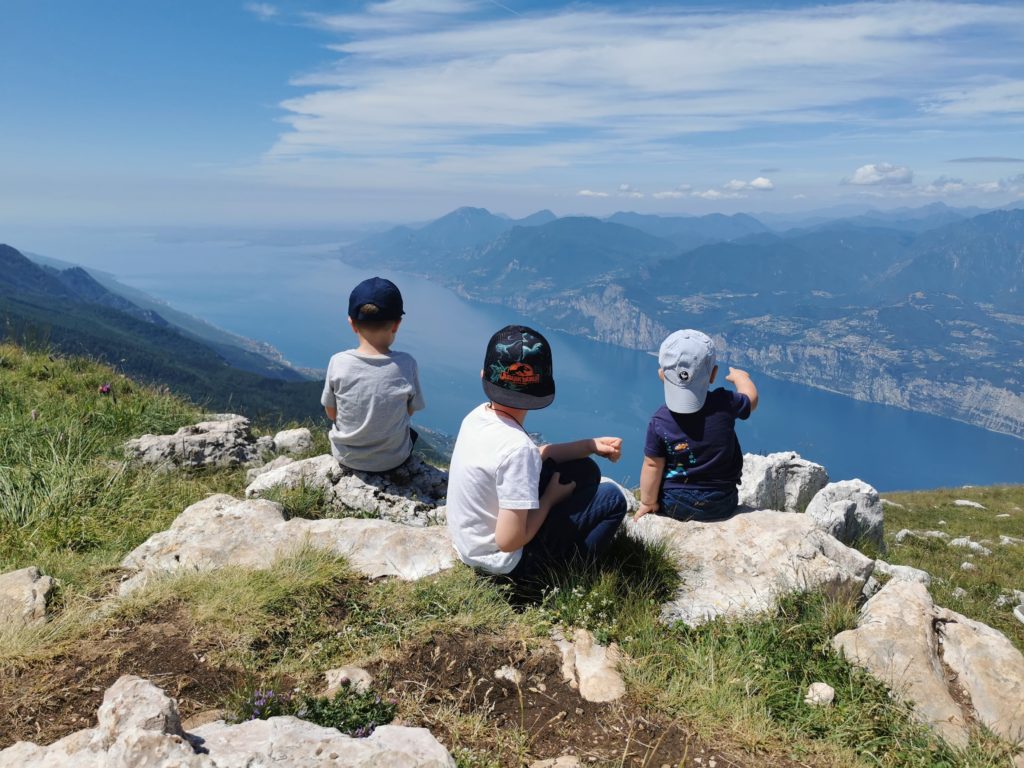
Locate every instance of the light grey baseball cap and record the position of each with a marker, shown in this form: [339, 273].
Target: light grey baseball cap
[687, 359]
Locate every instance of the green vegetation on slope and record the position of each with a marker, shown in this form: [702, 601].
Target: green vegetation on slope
[69, 504]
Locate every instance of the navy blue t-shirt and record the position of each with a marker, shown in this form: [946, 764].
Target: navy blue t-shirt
[700, 449]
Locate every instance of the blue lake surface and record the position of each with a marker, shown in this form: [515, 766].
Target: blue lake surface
[295, 298]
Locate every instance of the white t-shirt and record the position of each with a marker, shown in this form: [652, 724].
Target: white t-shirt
[373, 395]
[495, 465]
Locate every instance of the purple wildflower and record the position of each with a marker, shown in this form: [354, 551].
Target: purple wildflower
[104, 389]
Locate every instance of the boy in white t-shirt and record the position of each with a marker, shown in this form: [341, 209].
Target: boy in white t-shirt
[372, 391]
[515, 509]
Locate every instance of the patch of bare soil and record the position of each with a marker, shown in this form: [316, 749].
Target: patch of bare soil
[457, 673]
[46, 700]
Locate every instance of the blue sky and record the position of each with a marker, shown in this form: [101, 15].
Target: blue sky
[329, 113]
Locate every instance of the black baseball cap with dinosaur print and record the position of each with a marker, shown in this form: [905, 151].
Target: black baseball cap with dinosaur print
[517, 369]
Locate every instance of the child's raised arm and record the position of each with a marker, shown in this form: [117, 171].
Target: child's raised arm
[741, 380]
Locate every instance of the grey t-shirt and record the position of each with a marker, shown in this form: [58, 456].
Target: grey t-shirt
[373, 395]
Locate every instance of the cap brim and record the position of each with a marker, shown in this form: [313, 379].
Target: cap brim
[513, 399]
[685, 399]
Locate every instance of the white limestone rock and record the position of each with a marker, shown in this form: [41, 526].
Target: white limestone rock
[592, 667]
[968, 566]
[820, 695]
[317, 472]
[903, 638]
[356, 678]
[23, 597]
[849, 510]
[294, 441]
[964, 542]
[781, 481]
[225, 440]
[905, 572]
[509, 674]
[1010, 541]
[741, 567]
[967, 503]
[280, 461]
[223, 531]
[905, 533]
[139, 728]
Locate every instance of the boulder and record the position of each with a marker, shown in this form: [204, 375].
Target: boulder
[23, 597]
[781, 481]
[906, 641]
[225, 440]
[849, 510]
[591, 667]
[410, 494]
[139, 727]
[741, 567]
[223, 531]
[964, 542]
[280, 461]
[904, 572]
[293, 441]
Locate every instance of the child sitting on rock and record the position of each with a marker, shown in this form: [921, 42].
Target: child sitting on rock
[692, 458]
[372, 391]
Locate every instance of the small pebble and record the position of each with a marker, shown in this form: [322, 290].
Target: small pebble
[968, 567]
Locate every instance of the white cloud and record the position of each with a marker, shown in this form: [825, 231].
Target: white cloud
[717, 194]
[423, 84]
[681, 190]
[945, 185]
[1000, 98]
[875, 174]
[799, 196]
[628, 190]
[265, 11]
[591, 193]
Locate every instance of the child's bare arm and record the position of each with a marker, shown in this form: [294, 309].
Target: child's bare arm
[332, 413]
[741, 380]
[650, 483]
[607, 447]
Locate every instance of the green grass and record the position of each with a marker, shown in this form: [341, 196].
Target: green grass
[70, 504]
[994, 576]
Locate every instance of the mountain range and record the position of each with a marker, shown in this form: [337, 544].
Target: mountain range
[68, 309]
[920, 308]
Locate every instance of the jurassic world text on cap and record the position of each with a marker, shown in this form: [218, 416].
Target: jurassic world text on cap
[518, 369]
[381, 293]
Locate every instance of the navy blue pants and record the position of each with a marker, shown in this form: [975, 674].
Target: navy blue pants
[699, 504]
[579, 528]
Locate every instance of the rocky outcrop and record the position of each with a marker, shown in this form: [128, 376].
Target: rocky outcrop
[851, 511]
[781, 481]
[294, 441]
[952, 669]
[742, 566]
[223, 531]
[902, 572]
[23, 597]
[226, 440]
[139, 727]
[412, 494]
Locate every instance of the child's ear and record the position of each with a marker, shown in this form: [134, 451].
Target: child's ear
[398, 322]
[352, 325]
[714, 372]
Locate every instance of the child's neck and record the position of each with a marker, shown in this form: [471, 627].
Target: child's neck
[367, 347]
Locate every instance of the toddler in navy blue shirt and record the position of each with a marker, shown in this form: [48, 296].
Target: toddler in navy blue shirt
[692, 458]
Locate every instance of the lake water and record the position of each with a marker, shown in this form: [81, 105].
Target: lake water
[296, 298]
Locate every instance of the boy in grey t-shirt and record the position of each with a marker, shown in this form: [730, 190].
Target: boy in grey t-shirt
[371, 391]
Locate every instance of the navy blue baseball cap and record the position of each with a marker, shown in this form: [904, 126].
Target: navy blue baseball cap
[381, 293]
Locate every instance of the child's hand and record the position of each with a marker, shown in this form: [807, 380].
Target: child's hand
[645, 509]
[557, 491]
[735, 374]
[608, 447]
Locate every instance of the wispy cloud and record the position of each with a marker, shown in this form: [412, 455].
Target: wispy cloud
[462, 87]
[987, 159]
[265, 11]
[591, 193]
[876, 174]
[760, 184]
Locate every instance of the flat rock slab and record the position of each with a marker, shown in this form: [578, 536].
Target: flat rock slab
[139, 727]
[224, 531]
[412, 494]
[225, 440]
[908, 642]
[23, 597]
[781, 481]
[742, 566]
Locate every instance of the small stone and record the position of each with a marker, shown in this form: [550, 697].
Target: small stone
[356, 678]
[968, 503]
[509, 673]
[1002, 516]
[941, 522]
[968, 567]
[1018, 613]
[1008, 541]
[820, 695]
[959, 593]
[964, 542]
